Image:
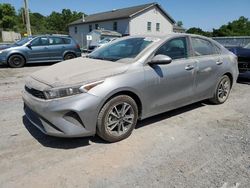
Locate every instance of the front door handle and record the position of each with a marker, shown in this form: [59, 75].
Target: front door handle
[189, 67]
[219, 62]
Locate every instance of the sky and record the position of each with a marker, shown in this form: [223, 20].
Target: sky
[207, 14]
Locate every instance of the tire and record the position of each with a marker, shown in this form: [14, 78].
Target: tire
[68, 56]
[16, 61]
[222, 90]
[117, 118]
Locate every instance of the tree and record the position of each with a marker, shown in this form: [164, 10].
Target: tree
[198, 31]
[240, 27]
[7, 16]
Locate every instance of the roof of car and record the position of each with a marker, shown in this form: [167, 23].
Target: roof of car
[120, 14]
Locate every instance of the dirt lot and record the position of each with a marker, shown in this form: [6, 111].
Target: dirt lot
[201, 145]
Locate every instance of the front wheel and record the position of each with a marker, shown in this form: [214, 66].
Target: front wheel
[117, 118]
[222, 91]
[16, 61]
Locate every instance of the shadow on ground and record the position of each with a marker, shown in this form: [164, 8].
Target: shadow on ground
[71, 143]
[170, 114]
[244, 78]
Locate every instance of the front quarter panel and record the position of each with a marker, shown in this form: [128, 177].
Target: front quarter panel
[132, 81]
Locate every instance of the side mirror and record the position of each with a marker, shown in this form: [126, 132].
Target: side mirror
[29, 45]
[160, 59]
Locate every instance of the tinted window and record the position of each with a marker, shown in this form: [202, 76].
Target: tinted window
[67, 41]
[55, 41]
[175, 48]
[202, 47]
[40, 41]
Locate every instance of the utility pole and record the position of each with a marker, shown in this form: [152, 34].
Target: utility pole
[27, 17]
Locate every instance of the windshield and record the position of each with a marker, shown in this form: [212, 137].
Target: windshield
[127, 48]
[22, 41]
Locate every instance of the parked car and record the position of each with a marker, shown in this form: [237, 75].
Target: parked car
[243, 54]
[127, 80]
[37, 49]
[104, 42]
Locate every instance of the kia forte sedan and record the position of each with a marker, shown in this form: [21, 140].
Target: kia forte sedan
[125, 81]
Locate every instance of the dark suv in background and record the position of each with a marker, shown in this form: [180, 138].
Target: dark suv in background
[37, 49]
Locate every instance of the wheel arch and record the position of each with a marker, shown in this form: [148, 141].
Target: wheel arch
[129, 93]
[230, 77]
[69, 52]
[16, 53]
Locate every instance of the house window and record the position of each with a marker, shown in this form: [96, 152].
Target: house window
[96, 26]
[157, 26]
[75, 30]
[90, 28]
[115, 26]
[149, 26]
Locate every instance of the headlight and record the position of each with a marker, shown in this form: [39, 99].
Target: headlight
[69, 91]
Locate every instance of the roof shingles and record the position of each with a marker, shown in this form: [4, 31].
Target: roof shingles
[117, 14]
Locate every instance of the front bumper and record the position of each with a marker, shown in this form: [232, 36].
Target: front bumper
[74, 116]
[3, 59]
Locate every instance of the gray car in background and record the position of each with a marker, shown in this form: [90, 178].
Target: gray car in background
[127, 80]
[39, 49]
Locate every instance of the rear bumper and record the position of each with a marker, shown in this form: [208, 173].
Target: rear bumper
[74, 116]
[244, 66]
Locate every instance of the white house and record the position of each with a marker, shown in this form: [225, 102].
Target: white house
[147, 19]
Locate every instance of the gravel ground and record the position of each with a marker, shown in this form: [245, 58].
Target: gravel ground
[200, 145]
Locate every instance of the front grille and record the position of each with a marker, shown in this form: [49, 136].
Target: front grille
[35, 93]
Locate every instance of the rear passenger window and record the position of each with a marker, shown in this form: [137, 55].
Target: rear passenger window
[67, 41]
[202, 47]
[55, 41]
[175, 48]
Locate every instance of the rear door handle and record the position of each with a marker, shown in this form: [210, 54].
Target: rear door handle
[219, 62]
[189, 67]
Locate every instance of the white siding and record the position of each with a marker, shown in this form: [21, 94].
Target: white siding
[83, 29]
[80, 36]
[138, 24]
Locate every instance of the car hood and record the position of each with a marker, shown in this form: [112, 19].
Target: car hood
[3, 47]
[78, 71]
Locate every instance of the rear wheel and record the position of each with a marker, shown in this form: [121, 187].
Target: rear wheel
[16, 61]
[222, 91]
[117, 118]
[69, 56]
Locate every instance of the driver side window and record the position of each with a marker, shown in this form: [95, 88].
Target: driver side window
[40, 41]
[175, 48]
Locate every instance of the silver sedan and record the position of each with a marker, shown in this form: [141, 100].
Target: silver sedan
[127, 80]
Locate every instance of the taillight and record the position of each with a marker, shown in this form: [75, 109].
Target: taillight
[78, 46]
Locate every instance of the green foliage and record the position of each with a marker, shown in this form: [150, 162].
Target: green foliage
[199, 31]
[240, 27]
[56, 22]
[7, 16]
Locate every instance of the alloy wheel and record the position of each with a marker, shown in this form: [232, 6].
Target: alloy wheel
[119, 119]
